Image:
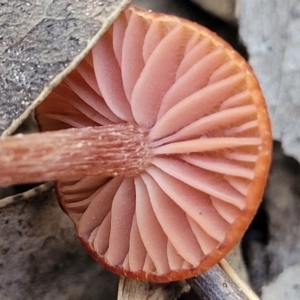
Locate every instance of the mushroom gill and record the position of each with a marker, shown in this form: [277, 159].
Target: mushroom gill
[205, 126]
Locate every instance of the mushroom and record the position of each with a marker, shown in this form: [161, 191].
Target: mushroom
[160, 142]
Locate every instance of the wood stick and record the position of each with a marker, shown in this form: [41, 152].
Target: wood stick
[214, 284]
[130, 289]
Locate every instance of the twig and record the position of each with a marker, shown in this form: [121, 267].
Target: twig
[44, 187]
[214, 284]
[130, 289]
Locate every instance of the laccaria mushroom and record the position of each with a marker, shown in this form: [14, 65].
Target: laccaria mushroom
[168, 158]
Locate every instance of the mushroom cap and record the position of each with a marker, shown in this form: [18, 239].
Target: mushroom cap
[209, 133]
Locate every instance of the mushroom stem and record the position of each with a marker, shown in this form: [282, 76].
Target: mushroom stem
[73, 153]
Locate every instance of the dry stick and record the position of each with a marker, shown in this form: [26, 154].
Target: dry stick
[31, 193]
[219, 283]
[214, 284]
[130, 289]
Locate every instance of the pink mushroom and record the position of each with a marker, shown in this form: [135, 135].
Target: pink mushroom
[169, 156]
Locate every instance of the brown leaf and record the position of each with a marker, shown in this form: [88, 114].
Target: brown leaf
[40, 44]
